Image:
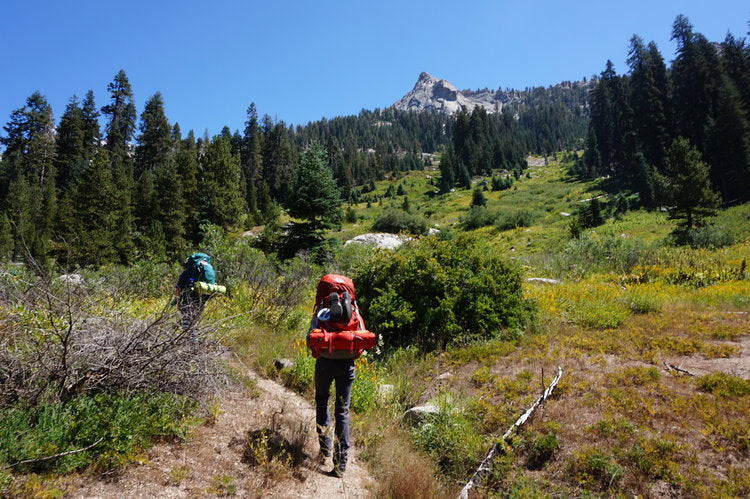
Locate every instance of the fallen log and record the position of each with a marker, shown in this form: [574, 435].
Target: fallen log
[486, 465]
[672, 367]
[60, 454]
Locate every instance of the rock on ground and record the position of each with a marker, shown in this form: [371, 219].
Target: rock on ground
[380, 240]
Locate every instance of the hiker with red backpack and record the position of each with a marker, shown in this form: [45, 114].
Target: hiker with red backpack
[336, 337]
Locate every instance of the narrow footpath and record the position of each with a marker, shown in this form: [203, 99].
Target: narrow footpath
[211, 464]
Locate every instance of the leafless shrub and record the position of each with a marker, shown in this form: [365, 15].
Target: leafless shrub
[59, 339]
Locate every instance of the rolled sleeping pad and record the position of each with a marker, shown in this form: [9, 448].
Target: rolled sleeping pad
[320, 340]
[204, 288]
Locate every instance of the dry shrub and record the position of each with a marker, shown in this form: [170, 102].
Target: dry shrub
[276, 456]
[404, 472]
[63, 339]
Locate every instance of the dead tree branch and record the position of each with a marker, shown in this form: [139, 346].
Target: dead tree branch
[672, 367]
[47, 458]
[486, 465]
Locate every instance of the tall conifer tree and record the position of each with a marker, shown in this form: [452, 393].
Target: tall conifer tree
[155, 139]
[186, 161]
[70, 160]
[648, 100]
[222, 193]
[90, 125]
[27, 179]
[121, 114]
[252, 161]
[96, 208]
[315, 196]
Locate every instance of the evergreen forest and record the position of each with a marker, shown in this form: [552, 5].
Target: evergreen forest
[139, 187]
[700, 103]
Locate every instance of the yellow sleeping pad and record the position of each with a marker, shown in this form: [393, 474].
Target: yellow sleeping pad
[204, 288]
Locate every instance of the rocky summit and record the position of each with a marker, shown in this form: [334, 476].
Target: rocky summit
[433, 94]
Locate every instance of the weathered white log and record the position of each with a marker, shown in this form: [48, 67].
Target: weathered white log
[60, 454]
[672, 367]
[486, 465]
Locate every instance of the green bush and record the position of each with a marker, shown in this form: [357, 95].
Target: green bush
[433, 293]
[586, 254]
[476, 217]
[365, 386]
[724, 384]
[515, 219]
[397, 221]
[708, 236]
[541, 449]
[592, 468]
[351, 215]
[451, 440]
[144, 278]
[642, 301]
[300, 376]
[125, 423]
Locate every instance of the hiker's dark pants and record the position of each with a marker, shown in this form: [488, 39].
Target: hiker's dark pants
[342, 372]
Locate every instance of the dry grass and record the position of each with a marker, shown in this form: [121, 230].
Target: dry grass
[624, 424]
[403, 472]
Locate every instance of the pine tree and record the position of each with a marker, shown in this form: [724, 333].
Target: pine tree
[478, 198]
[170, 207]
[90, 126]
[687, 186]
[186, 161]
[146, 196]
[30, 143]
[120, 127]
[155, 140]
[6, 238]
[96, 210]
[645, 182]
[728, 145]
[21, 207]
[590, 215]
[315, 196]
[27, 179]
[592, 159]
[70, 159]
[736, 65]
[696, 79]
[121, 114]
[406, 205]
[223, 203]
[252, 161]
[124, 244]
[648, 100]
[278, 159]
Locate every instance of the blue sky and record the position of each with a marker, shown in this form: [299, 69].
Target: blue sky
[302, 60]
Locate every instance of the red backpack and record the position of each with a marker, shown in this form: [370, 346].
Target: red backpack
[340, 333]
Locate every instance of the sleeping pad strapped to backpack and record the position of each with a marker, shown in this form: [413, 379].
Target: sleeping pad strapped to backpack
[341, 331]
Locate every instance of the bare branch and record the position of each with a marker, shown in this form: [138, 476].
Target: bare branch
[486, 465]
[61, 454]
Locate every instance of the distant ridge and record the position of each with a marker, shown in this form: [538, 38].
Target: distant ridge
[433, 94]
[438, 95]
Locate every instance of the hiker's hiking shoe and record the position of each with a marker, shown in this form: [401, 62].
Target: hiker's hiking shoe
[322, 457]
[338, 471]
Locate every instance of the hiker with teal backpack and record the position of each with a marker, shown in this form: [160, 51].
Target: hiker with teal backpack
[196, 284]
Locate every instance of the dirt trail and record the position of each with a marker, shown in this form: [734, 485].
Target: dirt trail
[210, 462]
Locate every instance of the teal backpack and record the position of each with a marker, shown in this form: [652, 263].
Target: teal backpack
[199, 268]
